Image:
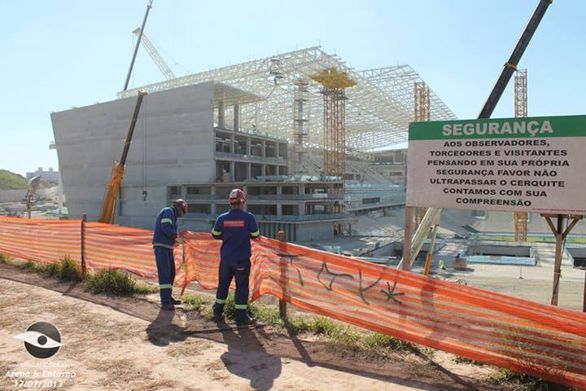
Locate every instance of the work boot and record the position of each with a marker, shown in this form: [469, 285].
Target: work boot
[245, 320]
[218, 312]
[218, 317]
[168, 307]
[175, 301]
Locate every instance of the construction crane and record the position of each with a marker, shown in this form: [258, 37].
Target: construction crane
[113, 186]
[154, 53]
[520, 218]
[412, 248]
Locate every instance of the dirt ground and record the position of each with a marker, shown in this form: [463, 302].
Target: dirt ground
[128, 344]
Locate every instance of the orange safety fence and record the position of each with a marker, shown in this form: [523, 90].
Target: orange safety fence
[524, 336]
[43, 241]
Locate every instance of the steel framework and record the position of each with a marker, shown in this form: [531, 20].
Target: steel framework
[520, 218]
[378, 108]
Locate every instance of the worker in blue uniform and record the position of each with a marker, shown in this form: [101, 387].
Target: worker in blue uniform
[164, 239]
[235, 228]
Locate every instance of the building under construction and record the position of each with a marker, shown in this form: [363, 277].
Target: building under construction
[305, 135]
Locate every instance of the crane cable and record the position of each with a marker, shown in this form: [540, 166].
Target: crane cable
[144, 151]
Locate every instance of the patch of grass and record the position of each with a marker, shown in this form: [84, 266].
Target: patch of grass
[116, 283]
[29, 266]
[5, 259]
[382, 341]
[110, 282]
[520, 382]
[196, 303]
[464, 360]
[267, 314]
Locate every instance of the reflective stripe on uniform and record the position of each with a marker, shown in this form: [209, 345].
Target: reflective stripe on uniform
[214, 232]
[221, 301]
[170, 247]
[241, 306]
[168, 221]
[165, 286]
[255, 233]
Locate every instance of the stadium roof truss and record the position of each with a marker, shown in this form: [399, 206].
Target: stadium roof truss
[378, 108]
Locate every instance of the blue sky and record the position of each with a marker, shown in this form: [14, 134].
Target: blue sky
[55, 54]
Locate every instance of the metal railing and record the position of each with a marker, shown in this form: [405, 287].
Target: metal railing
[251, 158]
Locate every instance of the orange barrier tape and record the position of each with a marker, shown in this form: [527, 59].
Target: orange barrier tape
[536, 339]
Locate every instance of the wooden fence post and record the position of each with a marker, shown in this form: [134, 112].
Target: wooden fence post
[283, 279]
[83, 264]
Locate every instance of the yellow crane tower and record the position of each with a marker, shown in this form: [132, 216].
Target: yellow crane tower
[520, 218]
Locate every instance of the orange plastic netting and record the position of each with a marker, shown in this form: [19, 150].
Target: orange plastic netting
[537, 339]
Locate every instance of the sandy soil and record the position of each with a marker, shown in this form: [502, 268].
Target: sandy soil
[128, 344]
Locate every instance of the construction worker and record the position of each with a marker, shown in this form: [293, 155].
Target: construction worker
[164, 239]
[235, 228]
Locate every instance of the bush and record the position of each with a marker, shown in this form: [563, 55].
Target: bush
[52, 270]
[68, 270]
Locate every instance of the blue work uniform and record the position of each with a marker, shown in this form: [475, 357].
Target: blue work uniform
[235, 228]
[163, 241]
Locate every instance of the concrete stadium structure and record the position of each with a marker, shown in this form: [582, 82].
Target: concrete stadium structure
[200, 135]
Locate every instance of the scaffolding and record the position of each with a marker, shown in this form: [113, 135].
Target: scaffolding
[378, 109]
[334, 85]
[300, 122]
[521, 218]
[422, 112]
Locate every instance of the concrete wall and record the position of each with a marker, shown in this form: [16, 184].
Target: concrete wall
[173, 143]
[315, 232]
[12, 195]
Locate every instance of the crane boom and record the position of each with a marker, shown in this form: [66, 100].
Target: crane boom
[146, 15]
[154, 53]
[411, 249]
[113, 186]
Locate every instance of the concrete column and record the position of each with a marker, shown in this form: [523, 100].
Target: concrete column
[213, 202]
[249, 171]
[221, 114]
[279, 209]
[264, 148]
[248, 147]
[236, 117]
[232, 171]
[232, 141]
[263, 169]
